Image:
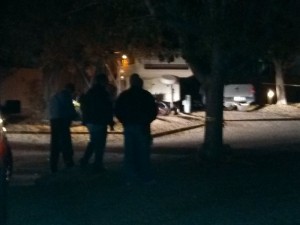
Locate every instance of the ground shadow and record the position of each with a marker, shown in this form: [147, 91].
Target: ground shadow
[252, 186]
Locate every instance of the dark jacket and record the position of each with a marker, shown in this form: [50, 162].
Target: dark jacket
[61, 106]
[136, 106]
[96, 106]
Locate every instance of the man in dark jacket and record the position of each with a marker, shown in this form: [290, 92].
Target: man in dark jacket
[97, 113]
[62, 112]
[136, 109]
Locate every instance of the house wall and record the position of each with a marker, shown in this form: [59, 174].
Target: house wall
[24, 85]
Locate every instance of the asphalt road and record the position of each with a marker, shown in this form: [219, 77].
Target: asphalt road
[257, 184]
[243, 131]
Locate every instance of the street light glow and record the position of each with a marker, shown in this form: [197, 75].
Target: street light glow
[270, 94]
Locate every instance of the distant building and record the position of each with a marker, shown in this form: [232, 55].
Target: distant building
[26, 86]
[161, 78]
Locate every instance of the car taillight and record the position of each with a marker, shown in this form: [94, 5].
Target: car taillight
[2, 148]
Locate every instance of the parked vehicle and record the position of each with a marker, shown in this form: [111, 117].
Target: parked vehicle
[6, 158]
[6, 164]
[238, 96]
[163, 108]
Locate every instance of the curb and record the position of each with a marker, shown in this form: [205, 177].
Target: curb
[112, 133]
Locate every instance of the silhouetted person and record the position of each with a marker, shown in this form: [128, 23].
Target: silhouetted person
[97, 114]
[136, 109]
[62, 112]
[112, 90]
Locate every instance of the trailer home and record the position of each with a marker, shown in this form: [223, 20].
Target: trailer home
[160, 78]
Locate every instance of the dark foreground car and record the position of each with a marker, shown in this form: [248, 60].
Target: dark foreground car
[6, 164]
[6, 159]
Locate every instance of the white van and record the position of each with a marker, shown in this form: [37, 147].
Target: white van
[238, 96]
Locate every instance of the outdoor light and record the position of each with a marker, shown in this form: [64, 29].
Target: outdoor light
[122, 77]
[270, 95]
[124, 60]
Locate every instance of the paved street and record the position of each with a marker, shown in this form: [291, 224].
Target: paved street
[257, 184]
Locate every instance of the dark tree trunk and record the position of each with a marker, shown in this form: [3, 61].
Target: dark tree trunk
[280, 90]
[213, 139]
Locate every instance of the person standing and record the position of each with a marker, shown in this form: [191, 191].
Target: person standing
[62, 112]
[136, 108]
[97, 114]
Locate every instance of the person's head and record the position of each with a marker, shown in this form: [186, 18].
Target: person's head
[100, 79]
[70, 87]
[136, 81]
[90, 69]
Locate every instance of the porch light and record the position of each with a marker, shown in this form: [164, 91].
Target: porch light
[124, 60]
[270, 95]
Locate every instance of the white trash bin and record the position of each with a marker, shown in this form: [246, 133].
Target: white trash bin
[187, 104]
